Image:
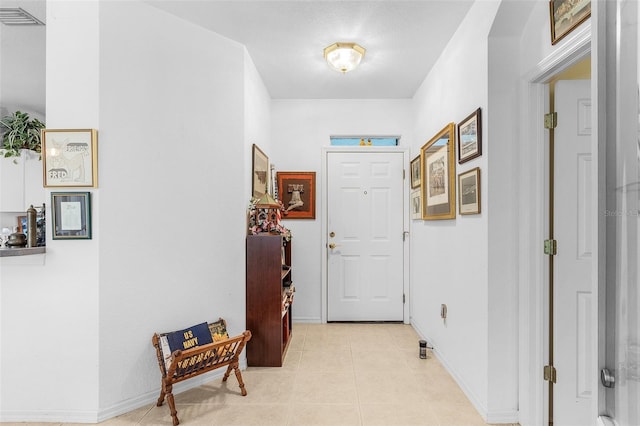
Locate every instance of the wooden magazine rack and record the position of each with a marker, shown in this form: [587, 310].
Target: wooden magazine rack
[196, 361]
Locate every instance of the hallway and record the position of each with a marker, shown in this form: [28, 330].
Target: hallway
[334, 374]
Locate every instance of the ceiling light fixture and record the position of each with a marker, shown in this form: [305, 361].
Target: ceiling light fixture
[344, 57]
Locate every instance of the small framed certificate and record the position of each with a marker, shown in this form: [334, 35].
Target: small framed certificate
[71, 213]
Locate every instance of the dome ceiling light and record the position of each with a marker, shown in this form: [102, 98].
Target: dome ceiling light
[344, 57]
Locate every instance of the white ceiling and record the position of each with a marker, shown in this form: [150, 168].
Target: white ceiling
[286, 39]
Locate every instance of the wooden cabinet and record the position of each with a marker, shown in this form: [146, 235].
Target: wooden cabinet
[269, 299]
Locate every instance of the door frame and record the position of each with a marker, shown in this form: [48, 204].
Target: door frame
[325, 215]
[534, 208]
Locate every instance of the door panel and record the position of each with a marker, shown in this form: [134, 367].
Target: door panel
[365, 214]
[573, 317]
[622, 216]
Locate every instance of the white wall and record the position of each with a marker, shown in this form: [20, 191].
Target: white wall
[455, 255]
[168, 215]
[300, 129]
[49, 314]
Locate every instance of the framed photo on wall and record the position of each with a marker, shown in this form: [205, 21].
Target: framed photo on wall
[415, 172]
[469, 190]
[70, 157]
[566, 15]
[438, 176]
[297, 192]
[71, 213]
[470, 137]
[416, 204]
[259, 173]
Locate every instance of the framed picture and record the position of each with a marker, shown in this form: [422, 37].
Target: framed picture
[415, 172]
[297, 191]
[259, 173]
[416, 204]
[71, 215]
[566, 15]
[70, 158]
[470, 137]
[438, 175]
[469, 190]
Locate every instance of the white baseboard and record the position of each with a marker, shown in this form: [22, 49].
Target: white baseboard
[117, 409]
[306, 320]
[509, 416]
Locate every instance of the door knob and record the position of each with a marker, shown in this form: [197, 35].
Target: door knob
[332, 246]
[607, 378]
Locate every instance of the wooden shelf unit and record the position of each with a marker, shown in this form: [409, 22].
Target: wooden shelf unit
[268, 299]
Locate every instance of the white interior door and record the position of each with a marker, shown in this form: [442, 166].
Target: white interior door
[365, 236]
[622, 218]
[573, 218]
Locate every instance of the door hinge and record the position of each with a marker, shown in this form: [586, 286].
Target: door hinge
[551, 247]
[551, 120]
[549, 373]
[404, 174]
[404, 299]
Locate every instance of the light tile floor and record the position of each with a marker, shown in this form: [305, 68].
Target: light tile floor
[334, 374]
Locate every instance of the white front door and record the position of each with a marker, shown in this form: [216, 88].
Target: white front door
[365, 236]
[573, 218]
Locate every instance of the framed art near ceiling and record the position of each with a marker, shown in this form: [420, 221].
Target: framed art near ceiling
[415, 172]
[297, 192]
[259, 173]
[70, 157]
[469, 190]
[470, 137]
[438, 176]
[566, 15]
[71, 215]
[416, 204]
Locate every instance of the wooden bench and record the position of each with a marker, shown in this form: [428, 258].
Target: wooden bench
[185, 364]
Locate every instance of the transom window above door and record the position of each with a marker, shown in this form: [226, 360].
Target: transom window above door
[364, 141]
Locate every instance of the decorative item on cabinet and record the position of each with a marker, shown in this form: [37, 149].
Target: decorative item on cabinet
[264, 215]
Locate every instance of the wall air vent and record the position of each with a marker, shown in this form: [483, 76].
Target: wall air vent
[17, 16]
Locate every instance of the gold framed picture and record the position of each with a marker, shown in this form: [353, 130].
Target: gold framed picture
[259, 173]
[566, 15]
[70, 157]
[438, 175]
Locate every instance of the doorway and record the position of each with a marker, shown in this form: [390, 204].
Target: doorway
[569, 249]
[365, 259]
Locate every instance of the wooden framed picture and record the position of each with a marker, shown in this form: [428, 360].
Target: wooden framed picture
[416, 204]
[70, 157]
[259, 173]
[415, 172]
[438, 175]
[470, 137]
[566, 15]
[297, 192]
[71, 215]
[469, 190]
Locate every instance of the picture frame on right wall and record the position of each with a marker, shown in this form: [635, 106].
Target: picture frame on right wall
[469, 192]
[470, 137]
[438, 175]
[566, 15]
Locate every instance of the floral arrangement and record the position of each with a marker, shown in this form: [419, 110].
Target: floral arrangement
[268, 219]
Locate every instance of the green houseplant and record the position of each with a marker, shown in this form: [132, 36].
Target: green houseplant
[19, 131]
